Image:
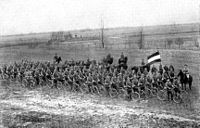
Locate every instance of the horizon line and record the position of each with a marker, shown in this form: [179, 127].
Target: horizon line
[105, 28]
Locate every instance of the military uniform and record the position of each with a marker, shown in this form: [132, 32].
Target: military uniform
[169, 90]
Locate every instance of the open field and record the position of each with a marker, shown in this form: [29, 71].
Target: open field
[175, 36]
[45, 108]
[28, 108]
[42, 52]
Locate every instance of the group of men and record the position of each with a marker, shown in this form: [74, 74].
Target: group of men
[163, 75]
[105, 73]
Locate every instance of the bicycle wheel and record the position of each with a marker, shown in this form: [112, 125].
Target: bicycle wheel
[49, 84]
[39, 125]
[67, 86]
[24, 83]
[113, 93]
[84, 88]
[102, 91]
[95, 90]
[32, 85]
[162, 95]
[177, 98]
[122, 94]
[154, 91]
[59, 86]
[78, 88]
[148, 93]
[142, 94]
[135, 95]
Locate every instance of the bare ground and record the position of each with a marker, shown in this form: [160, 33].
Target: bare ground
[46, 108]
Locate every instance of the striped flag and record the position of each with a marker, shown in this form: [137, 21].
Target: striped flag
[155, 57]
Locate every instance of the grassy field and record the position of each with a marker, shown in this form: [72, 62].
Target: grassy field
[42, 52]
[29, 108]
[164, 36]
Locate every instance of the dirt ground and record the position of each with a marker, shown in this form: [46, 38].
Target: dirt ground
[45, 108]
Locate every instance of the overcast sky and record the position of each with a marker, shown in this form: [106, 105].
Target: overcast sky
[25, 16]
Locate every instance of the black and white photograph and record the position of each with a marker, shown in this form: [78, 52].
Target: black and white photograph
[99, 63]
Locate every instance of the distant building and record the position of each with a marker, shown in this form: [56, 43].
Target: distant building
[61, 36]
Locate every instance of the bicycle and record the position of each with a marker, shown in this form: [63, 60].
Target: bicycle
[28, 82]
[102, 90]
[177, 97]
[122, 93]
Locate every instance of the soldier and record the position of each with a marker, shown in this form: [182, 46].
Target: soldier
[107, 85]
[59, 59]
[55, 78]
[109, 59]
[169, 89]
[141, 82]
[55, 58]
[145, 72]
[171, 75]
[185, 69]
[123, 61]
[153, 69]
[176, 86]
[89, 82]
[160, 69]
[129, 88]
[142, 63]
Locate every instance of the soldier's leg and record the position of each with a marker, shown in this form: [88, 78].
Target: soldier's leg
[172, 96]
[56, 84]
[182, 86]
[190, 85]
[168, 94]
[89, 87]
[130, 94]
[107, 90]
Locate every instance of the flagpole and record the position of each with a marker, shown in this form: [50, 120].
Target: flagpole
[161, 59]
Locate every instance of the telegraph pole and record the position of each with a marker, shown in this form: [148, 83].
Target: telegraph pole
[141, 46]
[102, 32]
[197, 43]
[199, 20]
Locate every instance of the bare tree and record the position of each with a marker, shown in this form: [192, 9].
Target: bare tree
[169, 42]
[173, 32]
[174, 29]
[196, 42]
[179, 42]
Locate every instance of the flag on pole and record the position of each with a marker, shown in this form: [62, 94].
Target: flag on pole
[155, 57]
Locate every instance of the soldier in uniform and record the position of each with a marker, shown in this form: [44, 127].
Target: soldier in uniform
[176, 86]
[169, 87]
[143, 63]
[141, 82]
[129, 88]
[109, 59]
[154, 69]
[55, 78]
[89, 82]
[107, 85]
[145, 72]
[123, 61]
[185, 69]
[55, 58]
[160, 69]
